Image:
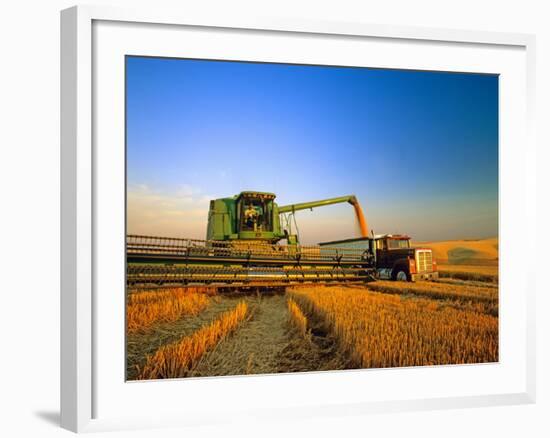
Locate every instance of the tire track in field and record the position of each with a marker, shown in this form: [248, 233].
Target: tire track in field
[255, 347]
[268, 344]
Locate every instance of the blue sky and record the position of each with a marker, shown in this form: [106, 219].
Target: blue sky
[419, 149]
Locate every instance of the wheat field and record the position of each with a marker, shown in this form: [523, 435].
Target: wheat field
[380, 330]
[180, 332]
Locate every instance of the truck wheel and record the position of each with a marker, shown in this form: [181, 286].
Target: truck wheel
[400, 274]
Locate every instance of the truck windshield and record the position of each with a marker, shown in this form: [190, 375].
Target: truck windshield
[398, 243]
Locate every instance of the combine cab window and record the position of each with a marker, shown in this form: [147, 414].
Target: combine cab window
[255, 214]
[398, 243]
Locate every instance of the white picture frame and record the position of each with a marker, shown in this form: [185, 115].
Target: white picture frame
[81, 261]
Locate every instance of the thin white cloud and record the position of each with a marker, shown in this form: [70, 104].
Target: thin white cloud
[181, 213]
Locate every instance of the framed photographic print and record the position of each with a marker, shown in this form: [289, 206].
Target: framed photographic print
[258, 208]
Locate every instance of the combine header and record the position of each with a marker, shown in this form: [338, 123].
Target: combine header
[243, 248]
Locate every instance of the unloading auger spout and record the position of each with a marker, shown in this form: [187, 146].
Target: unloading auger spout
[352, 199]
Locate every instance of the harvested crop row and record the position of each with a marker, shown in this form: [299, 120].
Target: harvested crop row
[437, 290]
[177, 359]
[460, 301]
[487, 274]
[475, 269]
[147, 308]
[296, 317]
[470, 283]
[149, 296]
[379, 330]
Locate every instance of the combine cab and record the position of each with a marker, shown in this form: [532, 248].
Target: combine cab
[392, 256]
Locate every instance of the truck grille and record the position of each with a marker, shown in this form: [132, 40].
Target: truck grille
[424, 260]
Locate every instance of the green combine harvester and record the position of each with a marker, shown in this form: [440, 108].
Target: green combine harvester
[255, 216]
[250, 241]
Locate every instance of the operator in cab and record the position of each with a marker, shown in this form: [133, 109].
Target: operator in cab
[251, 217]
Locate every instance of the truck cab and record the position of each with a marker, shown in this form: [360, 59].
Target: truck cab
[392, 256]
[396, 259]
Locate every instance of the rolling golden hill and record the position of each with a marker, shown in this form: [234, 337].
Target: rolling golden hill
[467, 252]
